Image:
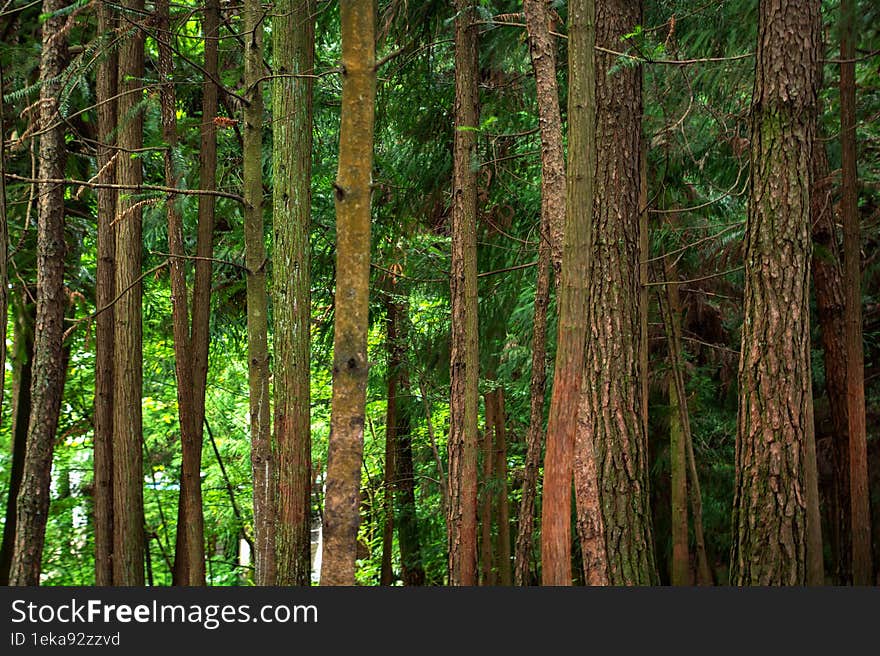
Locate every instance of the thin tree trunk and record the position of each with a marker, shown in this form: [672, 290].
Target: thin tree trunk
[257, 299]
[391, 439]
[543, 55]
[4, 250]
[105, 292]
[770, 513]
[830, 307]
[293, 37]
[464, 370]
[432, 438]
[860, 506]
[562, 424]
[502, 513]
[23, 360]
[412, 570]
[487, 565]
[189, 561]
[350, 366]
[611, 431]
[48, 369]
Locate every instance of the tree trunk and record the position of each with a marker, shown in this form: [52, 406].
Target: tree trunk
[681, 565]
[48, 369]
[543, 54]
[4, 250]
[105, 292]
[572, 304]
[412, 571]
[23, 360]
[770, 513]
[201, 297]
[293, 37]
[464, 370]
[860, 506]
[487, 565]
[391, 439]
[611, 432]
[350, 366]
[830, 306]
[189, 562]
[257, 299]
[502, 512]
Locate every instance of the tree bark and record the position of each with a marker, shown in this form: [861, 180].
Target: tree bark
[23, 360]
[502, 511]
[105, 292]
[860, 504]
[262, 464]
[293, 37]
[770, 513]
[350, 366]
[543, 55]
[572, 307]
[48, 370]
[611, 431]
[487, 564]
[464, 370]
[391, 439]
[189, 562]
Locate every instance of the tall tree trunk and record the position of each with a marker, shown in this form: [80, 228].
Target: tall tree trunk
[464, 370]
[543, 55]
[860, 506]
[48, 371]
[412, 570]
[23, 360]
[562, 424]
[128, 492]
[348, 403]
[391, 438]
[681, 566]
[770, 512]
[201, 297]
[830, 306]
[487, 564]
[502, 512]
[4, 250]
[257, 298]
[611, 428]
[189, 562]
[293, 37]
[105, 292]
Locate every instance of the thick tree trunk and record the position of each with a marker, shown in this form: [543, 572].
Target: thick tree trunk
[105, 292]
[502, 506]
[23, 360]
[611, 431]
[48, 370]
[128, 492]
[464, 371]
[860, 503]
[562, 424]
[543, 54]
[770, 513]
[189, 562]
[262, 464]
[350, 366]
[293, 37]
[830, 306]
